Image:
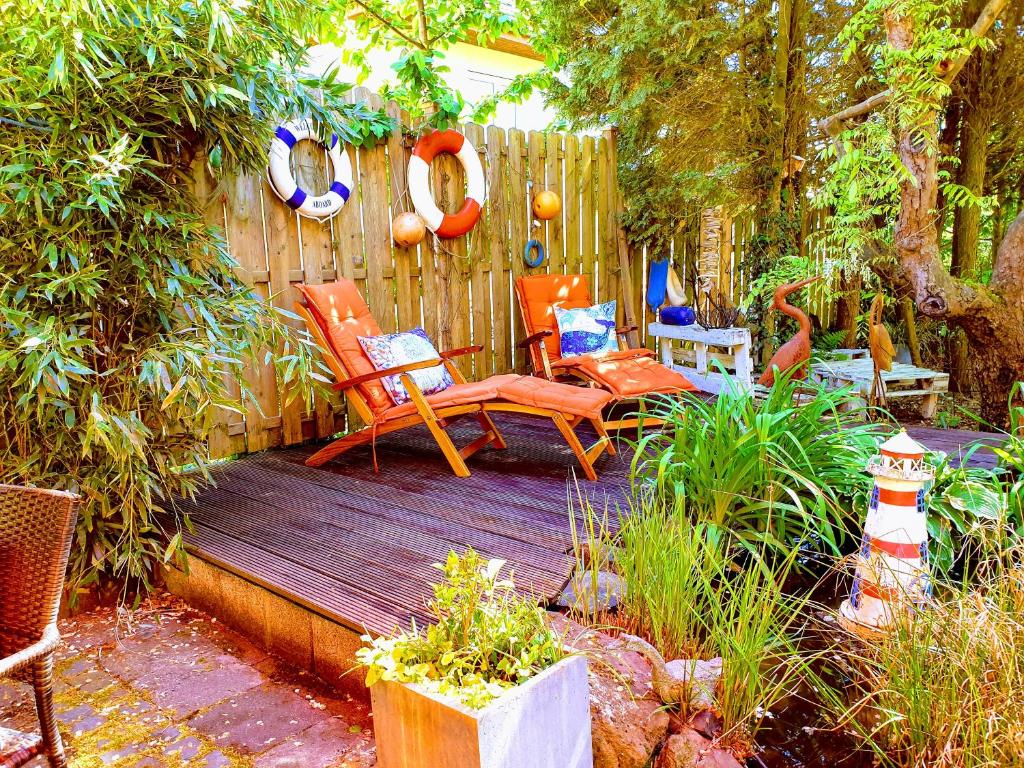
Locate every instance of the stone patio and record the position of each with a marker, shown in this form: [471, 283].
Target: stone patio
[166, 686]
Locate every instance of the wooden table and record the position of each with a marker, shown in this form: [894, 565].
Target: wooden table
[735, 340]
[902, 381]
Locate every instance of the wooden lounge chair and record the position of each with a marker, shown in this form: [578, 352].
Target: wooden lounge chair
[627, 373]
[337, 315]
[36, 527]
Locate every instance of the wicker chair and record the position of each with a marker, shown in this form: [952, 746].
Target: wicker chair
[36, 527]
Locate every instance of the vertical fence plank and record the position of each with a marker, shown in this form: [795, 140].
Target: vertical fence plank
[245, 238]
[535, 158]
[571, 206]
[498, 249]
[479, 270]
[284, 262]
[588, 213]
[518, 211]
[553, 171]
[406, 297]
[221, 441]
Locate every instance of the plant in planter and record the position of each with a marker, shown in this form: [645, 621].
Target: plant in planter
[487, 685]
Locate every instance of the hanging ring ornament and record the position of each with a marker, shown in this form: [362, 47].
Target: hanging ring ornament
[536, 261]
[443, 224]
[284, 185]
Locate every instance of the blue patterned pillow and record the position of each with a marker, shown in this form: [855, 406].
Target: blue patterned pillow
[393, 349]
[588, 330]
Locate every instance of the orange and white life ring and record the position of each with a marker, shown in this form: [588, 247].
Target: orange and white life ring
[446, 225]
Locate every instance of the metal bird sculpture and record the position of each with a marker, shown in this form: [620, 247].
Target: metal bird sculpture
[795, 353]
[881, 348]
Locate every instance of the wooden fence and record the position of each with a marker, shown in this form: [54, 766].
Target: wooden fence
[460, 291]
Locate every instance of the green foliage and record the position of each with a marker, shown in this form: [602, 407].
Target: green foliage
[484, 639]
[972, 510]
[665, 74]
[863, 181]
[771, 472]
[124, 328]
[945, 686]
[684, 592]
[420, 33]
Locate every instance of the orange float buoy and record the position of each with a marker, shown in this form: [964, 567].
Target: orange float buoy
[408, 230]
[546, 205]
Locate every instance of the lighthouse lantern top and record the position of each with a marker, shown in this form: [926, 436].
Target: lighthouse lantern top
[902, 458]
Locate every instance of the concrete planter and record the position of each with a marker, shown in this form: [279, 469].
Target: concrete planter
[544, 723]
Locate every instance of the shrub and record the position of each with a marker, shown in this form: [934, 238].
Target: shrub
[682, 591]
[484, 639]
[787, 468]
[973, 508]
[122, 325]
[945, 686]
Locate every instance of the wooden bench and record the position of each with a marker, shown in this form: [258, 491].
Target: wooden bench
[902, 381]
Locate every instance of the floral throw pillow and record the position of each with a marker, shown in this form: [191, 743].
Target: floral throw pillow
[588, 330]
[393, 349]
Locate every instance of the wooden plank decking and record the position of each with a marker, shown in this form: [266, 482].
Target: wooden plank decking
[357, 547]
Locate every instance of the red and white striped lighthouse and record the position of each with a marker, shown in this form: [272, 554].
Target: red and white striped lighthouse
[892, 565]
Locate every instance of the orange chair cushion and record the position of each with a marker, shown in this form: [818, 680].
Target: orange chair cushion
[539, 295]
[343, 316]
[633, 377]
[521, 390]
[457, 394]
[564, 398]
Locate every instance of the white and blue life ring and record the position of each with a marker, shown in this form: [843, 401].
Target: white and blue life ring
[314, 207]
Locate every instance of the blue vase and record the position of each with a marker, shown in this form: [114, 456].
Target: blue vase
[677, 316]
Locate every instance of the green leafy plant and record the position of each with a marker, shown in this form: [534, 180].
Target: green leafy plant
[944, 686]
[971, 509]
[783, 469]
[683, 591]
[123, 328]
[484, 639]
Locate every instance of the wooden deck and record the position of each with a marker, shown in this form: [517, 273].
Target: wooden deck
[356, 547]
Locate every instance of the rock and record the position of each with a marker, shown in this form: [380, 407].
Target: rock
[707, 723]
[579, 592]
[627, 721]
[702, 678]
[688, 749]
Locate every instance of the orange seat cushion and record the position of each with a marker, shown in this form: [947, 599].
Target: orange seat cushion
[458, 394]
[539, 295]
[564, 398]
[634, 377]
[343, 316]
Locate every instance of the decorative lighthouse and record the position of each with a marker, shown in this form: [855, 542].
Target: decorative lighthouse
[892, 565]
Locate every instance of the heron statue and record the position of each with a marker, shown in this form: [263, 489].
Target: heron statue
[795, 353]
[881, 348]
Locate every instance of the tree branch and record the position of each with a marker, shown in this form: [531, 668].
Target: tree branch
[390, 25]
[833, 125]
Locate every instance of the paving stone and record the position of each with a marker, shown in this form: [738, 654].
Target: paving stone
[215, 759]
[187, 688]
[257, 720]
[13, 694]
[120, 756]
[321, 746]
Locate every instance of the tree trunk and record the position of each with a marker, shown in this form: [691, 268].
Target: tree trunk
[975, 124]
[848, 306]
[992, 316]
